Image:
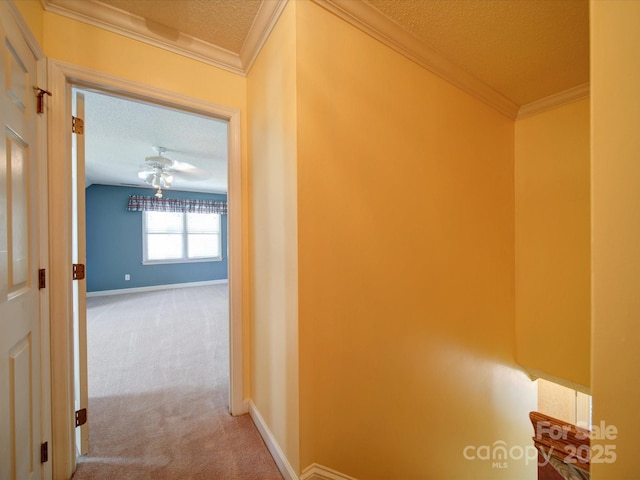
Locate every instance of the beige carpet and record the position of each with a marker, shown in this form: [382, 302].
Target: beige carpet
[158, 388]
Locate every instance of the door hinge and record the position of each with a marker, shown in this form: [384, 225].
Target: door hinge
[40, 93]
[44, 452]
[78, 271]
[42, 279]
[77, 125]
[81, 417]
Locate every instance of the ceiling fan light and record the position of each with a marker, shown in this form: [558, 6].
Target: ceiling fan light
[160, 172]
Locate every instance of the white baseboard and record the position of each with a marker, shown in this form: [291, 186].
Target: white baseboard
[318, 472]
[120, 291]
[278, 455]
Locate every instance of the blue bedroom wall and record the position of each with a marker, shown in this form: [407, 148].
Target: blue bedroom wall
[114, 243]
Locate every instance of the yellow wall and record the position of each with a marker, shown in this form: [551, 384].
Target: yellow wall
[274, 257]
[552, 182]
[615, 143]
[406, 266]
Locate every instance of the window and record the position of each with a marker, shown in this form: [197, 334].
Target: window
[175, 237]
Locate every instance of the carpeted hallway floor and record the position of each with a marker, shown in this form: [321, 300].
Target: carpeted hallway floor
[158, 391]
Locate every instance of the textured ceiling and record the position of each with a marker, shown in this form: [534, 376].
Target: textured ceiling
[224, 23]
[121, 133]
[520, 50]
[524, 49]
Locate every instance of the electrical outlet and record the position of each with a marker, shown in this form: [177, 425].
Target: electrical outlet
[127, 277]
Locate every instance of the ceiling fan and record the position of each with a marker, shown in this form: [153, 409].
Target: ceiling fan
[159, 170]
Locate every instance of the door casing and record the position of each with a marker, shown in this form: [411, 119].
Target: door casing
[62, 76]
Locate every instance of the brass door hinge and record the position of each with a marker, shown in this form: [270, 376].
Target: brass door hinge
[42, 279]
[44, 452]
[40, 93]
[77, 125]
[81, 417]
[78, 271]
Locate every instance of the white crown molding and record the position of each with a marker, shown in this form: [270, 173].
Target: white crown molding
[361, 15]
[552, 101]
[278, 455]
[117, 21]
[265, 20]
[319, 472]
[365, 17]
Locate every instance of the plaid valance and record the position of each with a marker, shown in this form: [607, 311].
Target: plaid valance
[140, 204]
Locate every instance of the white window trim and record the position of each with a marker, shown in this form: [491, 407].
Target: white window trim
[184, 241]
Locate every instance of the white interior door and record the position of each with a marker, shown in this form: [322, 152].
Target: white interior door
[20, 337]
[79, 256]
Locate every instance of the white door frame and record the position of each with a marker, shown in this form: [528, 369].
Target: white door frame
[62, 76]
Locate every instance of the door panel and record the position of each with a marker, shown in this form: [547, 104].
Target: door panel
[18, 209]
[20, 341]
[20, 374]
[17, 86]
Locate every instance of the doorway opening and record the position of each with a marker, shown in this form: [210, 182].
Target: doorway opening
[63, 78]
[151, 344]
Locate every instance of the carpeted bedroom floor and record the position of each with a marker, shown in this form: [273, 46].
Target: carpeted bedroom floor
[158, 391]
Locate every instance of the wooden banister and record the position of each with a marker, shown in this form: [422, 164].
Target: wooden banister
[563, 445]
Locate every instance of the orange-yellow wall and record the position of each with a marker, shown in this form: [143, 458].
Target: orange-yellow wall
[615, 143]
[552, 243]
[274, 250]
[406, 266]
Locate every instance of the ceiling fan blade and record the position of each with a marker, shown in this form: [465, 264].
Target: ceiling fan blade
[164, 170]
[182, 166]
[185, 169]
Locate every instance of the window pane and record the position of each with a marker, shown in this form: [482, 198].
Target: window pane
[163, 222]
[203, 222]
[204, 245]
[164, 246]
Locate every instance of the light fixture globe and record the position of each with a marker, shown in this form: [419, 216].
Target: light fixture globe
[158, 172]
